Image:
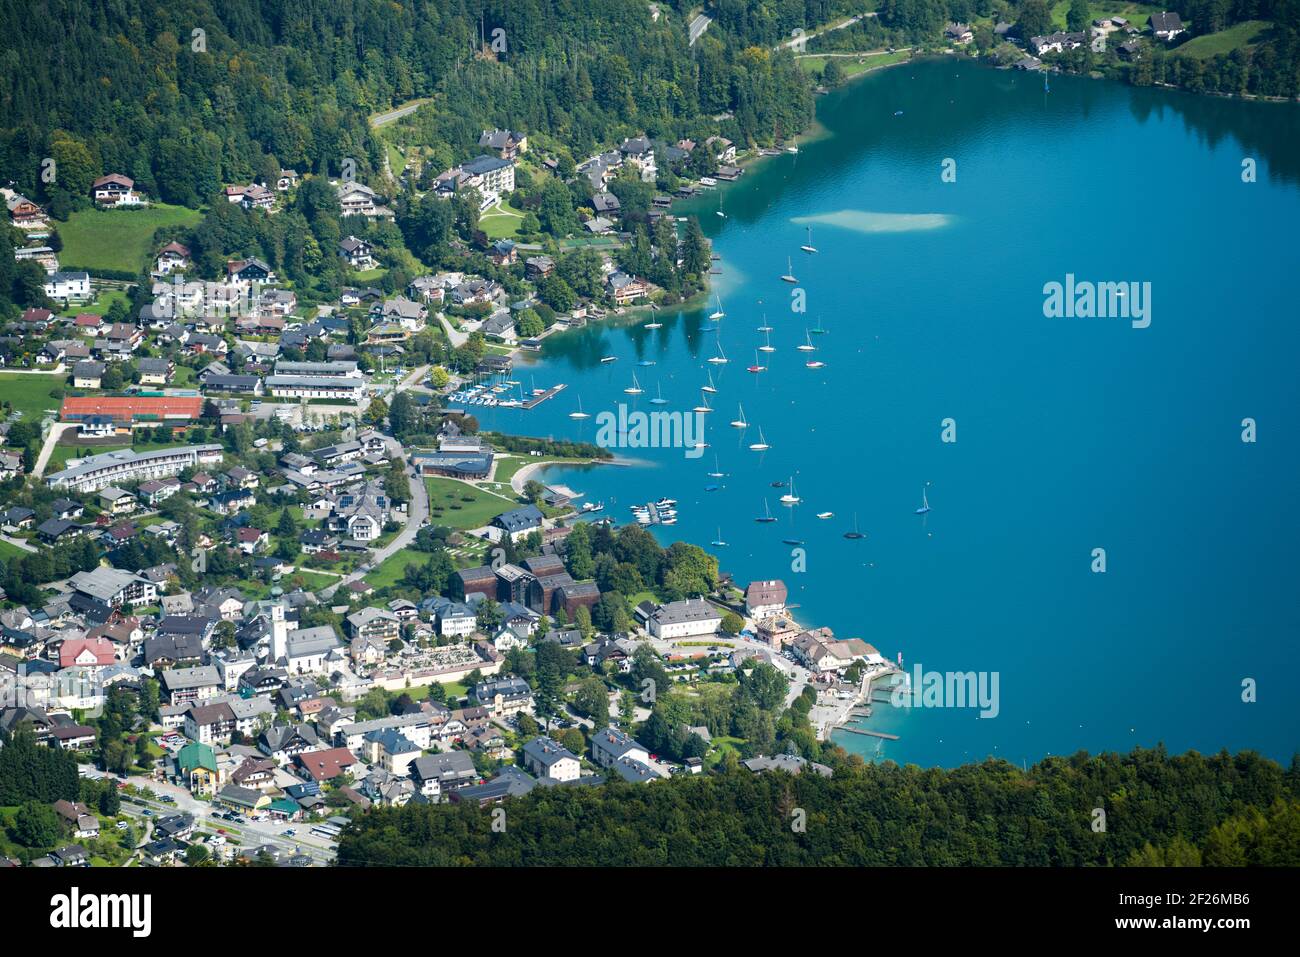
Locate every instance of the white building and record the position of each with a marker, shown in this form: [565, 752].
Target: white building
[69, 287]
[547, 758]
[96, 472]
[684, 619]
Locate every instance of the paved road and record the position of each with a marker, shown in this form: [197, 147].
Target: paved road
[805, 37]
[47, 449]
[418, 508]
[417, 515]
[383, 119]
[456, 337]
[697, 28]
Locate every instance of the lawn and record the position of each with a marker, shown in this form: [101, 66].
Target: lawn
[8, 551]
[117, 239]
[457, 505]
[29, 394]
[391, 570]
[501, 221]
[854, 66]
[1135, 13]
[1238, 37]
[99, 305]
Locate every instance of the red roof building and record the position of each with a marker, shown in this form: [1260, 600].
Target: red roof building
[128, 409]
[86, 652]
[324, 765]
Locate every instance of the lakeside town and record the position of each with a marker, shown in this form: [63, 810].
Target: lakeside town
[278, 588]
[262, 571]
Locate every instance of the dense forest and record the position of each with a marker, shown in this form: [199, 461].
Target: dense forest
[130, 86]
[1183, 810]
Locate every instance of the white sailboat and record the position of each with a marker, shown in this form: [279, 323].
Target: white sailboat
[791, 497]
[825, 514]
[789, 276]
[739, 421]
[807, 346]
[718, 313]
[719, 360]
[635, 387]
[709, 387]
[659, 396]
[925, 503]
[718, 542]
[767, 344]
[705, 408]
[717, 470]
[579, 414]
[808, 247]
[757, 366]
[761, 445]
[794, 145]
[814, 364]
[654, 325]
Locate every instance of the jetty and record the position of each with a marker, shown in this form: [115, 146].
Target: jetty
[534, 401]
[871, 734]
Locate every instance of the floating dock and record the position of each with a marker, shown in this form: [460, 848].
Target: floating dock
[534, 401]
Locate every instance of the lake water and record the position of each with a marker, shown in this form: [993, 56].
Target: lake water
[1072, 434]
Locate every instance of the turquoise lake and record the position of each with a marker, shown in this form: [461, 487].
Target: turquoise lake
[1072, 434]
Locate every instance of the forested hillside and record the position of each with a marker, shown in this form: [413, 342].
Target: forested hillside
[129, 86]
[1159, 809]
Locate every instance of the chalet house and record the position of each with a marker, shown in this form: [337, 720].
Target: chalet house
[506, 144]
[23, 213]
[287, 180]
[538, 267]
[1166, 26]
[253, 196]
[78, 818]
[249, 271]
[1056, 42]
[357, 253]
[624, 289]
[173, 257]
[210, 724]
[115, 190]
[958, 33]
[357, 199]
[640, 153]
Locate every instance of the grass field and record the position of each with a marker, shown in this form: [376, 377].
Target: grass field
[8, 551]
[462, 506]
[99, 305]
[29, 394]
[1240, 36]
[393, 567]
[501, 221]
[117, 239]
[1135, 13]
[851, 65]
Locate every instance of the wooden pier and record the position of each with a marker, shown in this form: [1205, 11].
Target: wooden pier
[871, 734]
[534, 401]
